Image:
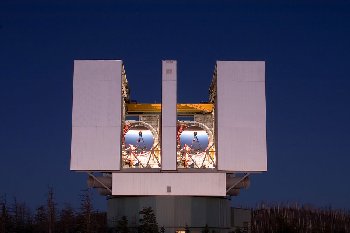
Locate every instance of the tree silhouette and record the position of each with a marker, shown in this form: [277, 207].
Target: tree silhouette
[51, 211]
[40, 220]
[122, 225]
[67, 223]
[90, 220]
[5, 218]
[86, 211]
[148, 222]
[21, 218]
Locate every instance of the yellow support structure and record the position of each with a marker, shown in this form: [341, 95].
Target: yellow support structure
[181, 108]
[194, 108]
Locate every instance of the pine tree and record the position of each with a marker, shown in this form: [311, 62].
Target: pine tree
[122, 225]
[51, 211]
[40, 220]
[148, 222]
[67, 220]
[19, 215]
[5, 218]
[86, 211]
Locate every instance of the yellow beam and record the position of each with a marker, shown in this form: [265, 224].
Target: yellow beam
[143, 108]
[181, 108]
[194, 108]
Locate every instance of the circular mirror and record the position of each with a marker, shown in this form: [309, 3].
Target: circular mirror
[195, 138]
[139, 138]
[194, 145]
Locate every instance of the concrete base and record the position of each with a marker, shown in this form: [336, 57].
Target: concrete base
[173, 212]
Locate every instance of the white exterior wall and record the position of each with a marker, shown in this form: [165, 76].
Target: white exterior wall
[96, 117]
[169, 116]
[188, 184]
[241, 116]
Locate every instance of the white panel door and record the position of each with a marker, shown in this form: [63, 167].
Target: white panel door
[96, 115]
[241, 116]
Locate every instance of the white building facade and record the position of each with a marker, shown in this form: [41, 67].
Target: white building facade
[169, 151]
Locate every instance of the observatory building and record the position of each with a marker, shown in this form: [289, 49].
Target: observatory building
[183, 160]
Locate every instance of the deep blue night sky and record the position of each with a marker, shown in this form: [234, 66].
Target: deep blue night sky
[306, 47]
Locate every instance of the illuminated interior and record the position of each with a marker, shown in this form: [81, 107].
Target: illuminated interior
[140, 147]
[195, 145]
[141, 127]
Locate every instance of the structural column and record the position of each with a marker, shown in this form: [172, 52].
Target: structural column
[169, 100]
